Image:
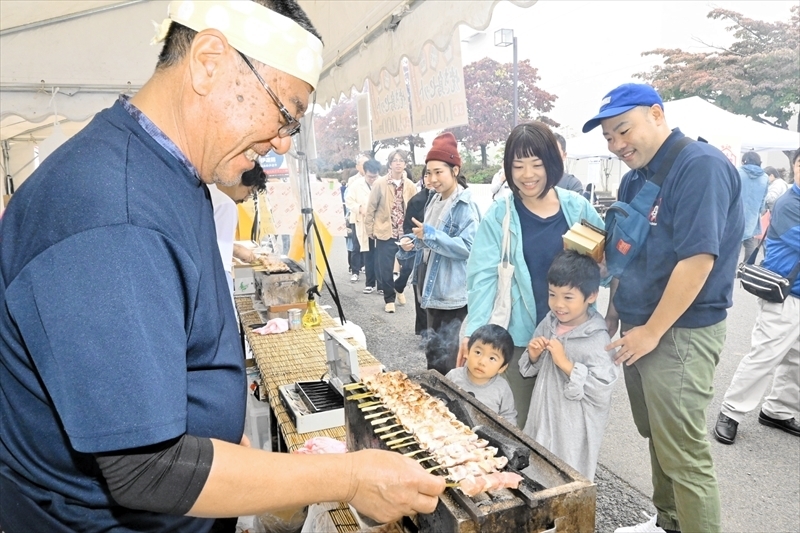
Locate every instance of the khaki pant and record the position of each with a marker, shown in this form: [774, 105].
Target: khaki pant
[669, 390]
[775, 347]
[521, 386]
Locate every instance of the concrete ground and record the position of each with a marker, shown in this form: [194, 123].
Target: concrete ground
[759, 476]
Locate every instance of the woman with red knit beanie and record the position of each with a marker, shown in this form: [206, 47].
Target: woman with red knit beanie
[442, 245]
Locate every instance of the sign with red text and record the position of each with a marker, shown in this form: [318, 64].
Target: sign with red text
[438, 99]
[391, 114]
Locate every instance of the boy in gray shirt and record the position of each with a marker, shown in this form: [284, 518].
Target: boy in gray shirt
[490, 350]
[572, 398]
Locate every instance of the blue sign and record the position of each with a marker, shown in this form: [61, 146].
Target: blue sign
[271, 161]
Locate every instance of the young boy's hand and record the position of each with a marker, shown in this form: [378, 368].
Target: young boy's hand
[535, 348]
[559, 356]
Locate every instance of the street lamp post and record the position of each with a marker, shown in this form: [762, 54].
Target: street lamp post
[505, 37]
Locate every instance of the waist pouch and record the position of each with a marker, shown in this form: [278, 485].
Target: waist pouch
[765, 283]
[628, 224]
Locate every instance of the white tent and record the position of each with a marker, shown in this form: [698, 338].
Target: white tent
[69, 59]
[698, 118]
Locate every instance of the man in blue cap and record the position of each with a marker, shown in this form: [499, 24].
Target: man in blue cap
[671, 301]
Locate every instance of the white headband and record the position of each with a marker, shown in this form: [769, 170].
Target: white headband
[254, 30]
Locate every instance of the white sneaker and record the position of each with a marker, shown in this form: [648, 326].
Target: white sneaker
[353, 278]
[389, 307]
[646, 527]
[368, 290]
[401, 298]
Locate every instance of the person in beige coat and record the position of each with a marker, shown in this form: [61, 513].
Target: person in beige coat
[357, 200]
[384, 222]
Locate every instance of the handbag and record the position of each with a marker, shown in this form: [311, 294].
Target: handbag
[763, 282]
[501, 310]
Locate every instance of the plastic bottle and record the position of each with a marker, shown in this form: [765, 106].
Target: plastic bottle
[311, 317]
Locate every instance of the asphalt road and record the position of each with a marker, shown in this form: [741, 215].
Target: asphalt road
[759, 476]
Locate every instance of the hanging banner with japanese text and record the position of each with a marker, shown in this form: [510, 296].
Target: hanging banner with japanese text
[391, 114]
[438, 99]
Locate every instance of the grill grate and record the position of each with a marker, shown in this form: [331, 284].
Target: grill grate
[319, 396]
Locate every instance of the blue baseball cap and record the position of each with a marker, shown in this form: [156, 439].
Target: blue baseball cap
[622, 99]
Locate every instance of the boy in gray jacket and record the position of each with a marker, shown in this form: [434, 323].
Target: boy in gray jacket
[490, 349]
[572, 398]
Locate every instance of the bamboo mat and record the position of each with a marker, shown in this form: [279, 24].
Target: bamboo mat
[283, 358]
[296, 355]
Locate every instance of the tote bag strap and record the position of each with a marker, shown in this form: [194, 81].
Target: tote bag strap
[506, 233]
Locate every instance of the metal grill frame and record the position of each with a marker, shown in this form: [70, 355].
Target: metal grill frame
[556, 498]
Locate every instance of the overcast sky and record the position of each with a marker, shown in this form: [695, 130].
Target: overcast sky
[583, 49]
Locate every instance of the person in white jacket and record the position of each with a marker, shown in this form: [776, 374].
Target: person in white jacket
[356, 200]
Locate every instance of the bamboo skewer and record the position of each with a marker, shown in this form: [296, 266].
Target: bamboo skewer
[452, 485]
[376, 415]
[383, 420]
[386, 428]
[361, 395]
[415, 452]
[392, 434]
[431, 469]
[422, 460]
[351, 386]
[369, 406]
[397, 443]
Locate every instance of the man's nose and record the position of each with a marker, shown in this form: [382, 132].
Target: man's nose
[281, 145]
[615, 145]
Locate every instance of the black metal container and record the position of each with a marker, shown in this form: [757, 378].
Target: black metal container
[553, 497]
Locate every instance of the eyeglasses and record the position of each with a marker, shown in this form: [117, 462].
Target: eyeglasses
[292, 126]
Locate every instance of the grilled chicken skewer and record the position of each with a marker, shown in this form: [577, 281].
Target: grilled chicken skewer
[461, 455]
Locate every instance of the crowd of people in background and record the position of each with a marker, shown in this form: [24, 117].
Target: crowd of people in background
[554, 358]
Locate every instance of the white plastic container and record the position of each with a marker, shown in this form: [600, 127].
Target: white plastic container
[257, 423]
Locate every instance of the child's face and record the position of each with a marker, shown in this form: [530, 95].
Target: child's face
[484, 362]
[569, 305]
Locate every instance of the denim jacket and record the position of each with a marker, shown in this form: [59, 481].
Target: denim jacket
[482, 265]
[446, 284]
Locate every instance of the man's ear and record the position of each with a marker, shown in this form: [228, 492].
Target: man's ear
[206, 56]
[592, 298]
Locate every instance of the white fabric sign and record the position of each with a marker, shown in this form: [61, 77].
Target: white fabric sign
[438, 99]
[391, 114]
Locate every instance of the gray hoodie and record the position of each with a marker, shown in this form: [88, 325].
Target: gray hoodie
[569, 414]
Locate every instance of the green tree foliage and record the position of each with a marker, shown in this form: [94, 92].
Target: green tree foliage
[337, 135]
[490, 102]
[757, 76]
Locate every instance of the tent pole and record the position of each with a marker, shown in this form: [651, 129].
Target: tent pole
[306, 208]
[8, 182]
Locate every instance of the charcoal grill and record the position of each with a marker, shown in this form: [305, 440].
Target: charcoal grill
[552, 497]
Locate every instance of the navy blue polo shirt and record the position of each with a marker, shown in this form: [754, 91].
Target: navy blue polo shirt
[698, 211]
[116, 325]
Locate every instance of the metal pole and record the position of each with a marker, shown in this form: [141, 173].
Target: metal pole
[9, 181]
[306, 207]
[515, 82]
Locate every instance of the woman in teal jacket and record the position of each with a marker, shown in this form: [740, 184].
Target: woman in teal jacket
[540, 215]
